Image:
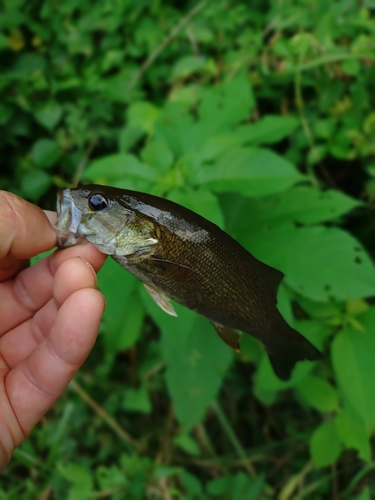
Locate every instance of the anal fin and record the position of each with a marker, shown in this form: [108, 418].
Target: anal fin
[230, 336]
[161, 299]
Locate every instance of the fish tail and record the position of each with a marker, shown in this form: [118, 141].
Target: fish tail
[287, 348]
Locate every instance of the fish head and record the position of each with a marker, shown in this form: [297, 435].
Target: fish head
[91, 213]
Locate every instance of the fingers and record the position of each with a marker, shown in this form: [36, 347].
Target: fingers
[25, 230]
[40, 379]
[72, 275]
[33, 288]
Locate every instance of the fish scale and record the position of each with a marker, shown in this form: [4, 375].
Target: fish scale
[180, 255]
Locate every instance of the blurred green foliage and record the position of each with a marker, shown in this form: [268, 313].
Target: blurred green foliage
[261, 117]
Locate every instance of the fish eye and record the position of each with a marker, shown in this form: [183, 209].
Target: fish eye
[98, 202]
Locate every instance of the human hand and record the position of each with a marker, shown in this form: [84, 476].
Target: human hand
[49, 317]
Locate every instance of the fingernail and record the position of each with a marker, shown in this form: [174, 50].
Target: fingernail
[51, 216]
[92, 269]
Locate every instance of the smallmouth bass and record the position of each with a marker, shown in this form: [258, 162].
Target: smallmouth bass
[179, 255]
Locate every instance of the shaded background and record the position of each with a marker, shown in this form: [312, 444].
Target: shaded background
[260, 116]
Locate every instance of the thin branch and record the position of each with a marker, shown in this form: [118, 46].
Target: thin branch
[227, 428]
[167, 40]
[125, 436]
[82, 164]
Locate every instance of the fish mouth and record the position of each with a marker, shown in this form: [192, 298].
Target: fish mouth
[68, 220]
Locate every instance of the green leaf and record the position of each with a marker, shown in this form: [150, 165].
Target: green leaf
[319, 393]
[157, 154]
[238, 487]
[110, 477]
[6, 112]
[217, 144]
[127, 333]
[249, 171]
[143, 115]
[49, 114]
[196, 360]
[28, 65]
[325, 445]
[192, 485]
[299, 204]
[129, 136]
[137, 400]
[268, 130]
[321, 309]
[353, 434]
[319, 262]
[123, 317]
[119, 167]
[353, 354]
[317, 332]
[187, 444]
[267, 384]
[324, 128]
[82, 482]
[351, 67]
[228, 104]
[175, 126]
[35, 184]
[187, 66]
[200, 201]
[45, 153]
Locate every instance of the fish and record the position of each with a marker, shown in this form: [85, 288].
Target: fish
[179, 255]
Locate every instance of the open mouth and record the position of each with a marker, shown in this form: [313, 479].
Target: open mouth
[68, 220]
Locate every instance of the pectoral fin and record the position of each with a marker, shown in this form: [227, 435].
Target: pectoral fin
[230, 336]
[174, 271]
[161, 299]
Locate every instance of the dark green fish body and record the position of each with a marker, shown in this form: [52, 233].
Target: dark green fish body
[179, 254]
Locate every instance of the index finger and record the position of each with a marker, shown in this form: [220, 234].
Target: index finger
[25, 230]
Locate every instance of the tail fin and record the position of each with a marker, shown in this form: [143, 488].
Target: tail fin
[285, 349]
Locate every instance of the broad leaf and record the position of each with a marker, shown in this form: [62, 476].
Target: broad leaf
[129, 136]
[319, 393]
[137, 400]
[35, 184]
[325, 444]
[270, 129]
[353, 434]
[158, 155]
[202, 201]
[123, 316]
[45, 153]
[299, 204]
[353, 354]
[196, 360]
[176, 127]
[249, 171]
[187, 66]
[237, 487]
[143, 115]
[319, 262]
[122, 170]
[228, 103]
[49, 114]
[267, 383]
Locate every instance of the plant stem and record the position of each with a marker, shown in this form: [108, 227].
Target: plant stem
[111, 422]
[82, 164]
[167, 40]
[233, 438]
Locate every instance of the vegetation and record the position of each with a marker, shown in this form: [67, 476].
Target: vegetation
[261, 117]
